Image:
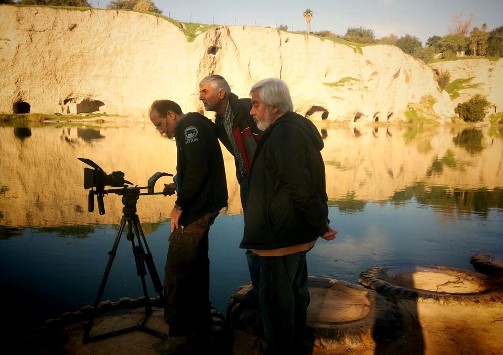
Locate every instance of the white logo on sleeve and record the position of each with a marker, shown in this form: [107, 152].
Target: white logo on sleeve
[191, 133]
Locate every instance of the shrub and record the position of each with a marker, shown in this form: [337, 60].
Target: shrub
[424, 54]
[78, 3]
[409, 44]
[473, 110]
[324, 34]
[360, 35]
[146, 6]
[496, 118]
[443, 79]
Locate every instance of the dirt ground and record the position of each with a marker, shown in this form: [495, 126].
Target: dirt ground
[391, 325]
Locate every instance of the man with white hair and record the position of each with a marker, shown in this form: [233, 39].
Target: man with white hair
[238, 132]
[287, 211]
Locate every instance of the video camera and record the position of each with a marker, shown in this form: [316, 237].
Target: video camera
[96, 179]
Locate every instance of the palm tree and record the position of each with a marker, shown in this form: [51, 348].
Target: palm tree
[308, 15]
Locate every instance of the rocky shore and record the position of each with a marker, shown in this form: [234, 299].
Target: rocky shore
[435, 310]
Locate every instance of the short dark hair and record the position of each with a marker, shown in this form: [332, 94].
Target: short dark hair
[163, 106]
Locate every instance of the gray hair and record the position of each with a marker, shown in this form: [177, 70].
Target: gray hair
[217, 82]
[274, 92]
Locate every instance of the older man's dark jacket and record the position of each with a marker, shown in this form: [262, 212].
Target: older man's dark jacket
[287, 200]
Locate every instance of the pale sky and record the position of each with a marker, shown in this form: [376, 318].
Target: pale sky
[420, 18]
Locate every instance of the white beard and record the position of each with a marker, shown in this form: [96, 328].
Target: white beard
[265, 123]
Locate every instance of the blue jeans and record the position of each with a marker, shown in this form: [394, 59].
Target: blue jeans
[284, 298]
[252, 259]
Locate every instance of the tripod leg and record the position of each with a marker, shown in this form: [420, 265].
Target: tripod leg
[139, 257]
[158, 286]
[111, 253]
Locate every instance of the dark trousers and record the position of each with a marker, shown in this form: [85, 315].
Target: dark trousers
[252, 259]
[187, 278]
[284, 298]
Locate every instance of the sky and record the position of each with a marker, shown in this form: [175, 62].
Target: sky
[420, 18]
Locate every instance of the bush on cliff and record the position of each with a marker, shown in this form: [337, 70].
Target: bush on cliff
[443, 79]
[473, 110]
[77, 3]
[135, 5]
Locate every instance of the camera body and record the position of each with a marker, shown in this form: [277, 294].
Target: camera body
[96, 179]
[99, 179]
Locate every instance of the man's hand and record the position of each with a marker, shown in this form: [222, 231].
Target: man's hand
[329, 234]
[175, 218]
[169, 189]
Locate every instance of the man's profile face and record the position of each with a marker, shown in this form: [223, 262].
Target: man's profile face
[210, 97]
[165, 125]
[261, 112]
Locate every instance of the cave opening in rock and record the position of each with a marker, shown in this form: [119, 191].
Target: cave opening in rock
[358, 115]
[314, 109]
[89, 106]
[212, 50]
[71, 106]
[389, 116]
[21, 107]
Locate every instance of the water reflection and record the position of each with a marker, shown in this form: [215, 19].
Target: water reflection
[397, 194]
[470, 139]
[84, 135]
[22, 132]
[42, 180]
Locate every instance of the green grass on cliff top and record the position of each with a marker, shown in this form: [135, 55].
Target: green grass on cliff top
[191, 30]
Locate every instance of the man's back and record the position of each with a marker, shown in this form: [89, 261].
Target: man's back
[200, 168]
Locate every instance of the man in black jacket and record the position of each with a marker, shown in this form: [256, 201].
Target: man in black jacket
[201, 189]
[287, 211]
[239, 134]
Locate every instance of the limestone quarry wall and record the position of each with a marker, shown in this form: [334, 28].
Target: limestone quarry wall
[121, 61]
[484, 77]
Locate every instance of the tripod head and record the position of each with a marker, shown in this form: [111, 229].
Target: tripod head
[96, 179]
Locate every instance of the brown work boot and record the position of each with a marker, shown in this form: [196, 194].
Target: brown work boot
[172, 345]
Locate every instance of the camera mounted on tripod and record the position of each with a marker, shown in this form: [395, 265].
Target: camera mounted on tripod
[96, 179]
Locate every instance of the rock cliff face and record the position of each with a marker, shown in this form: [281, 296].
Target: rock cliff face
[478, 76]
[59, 60]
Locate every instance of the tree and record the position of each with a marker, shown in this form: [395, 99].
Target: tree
[409, 44]
[283, 27]
[391, 39]
[146, 6]
[360, 35]
[6, 2]
[77, 3]
[495, 42]
[122, 4]
[308, 15]
[433, 41]
[473, 110]
[478, 41]
[424, 54]
[459, 25]
[452, 44]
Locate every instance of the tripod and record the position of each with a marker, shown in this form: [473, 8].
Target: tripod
[143, 258]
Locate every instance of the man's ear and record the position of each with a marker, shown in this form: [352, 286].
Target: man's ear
[275, 110]
[221, 94]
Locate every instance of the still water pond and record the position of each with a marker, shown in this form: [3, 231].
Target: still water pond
[399, 195]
